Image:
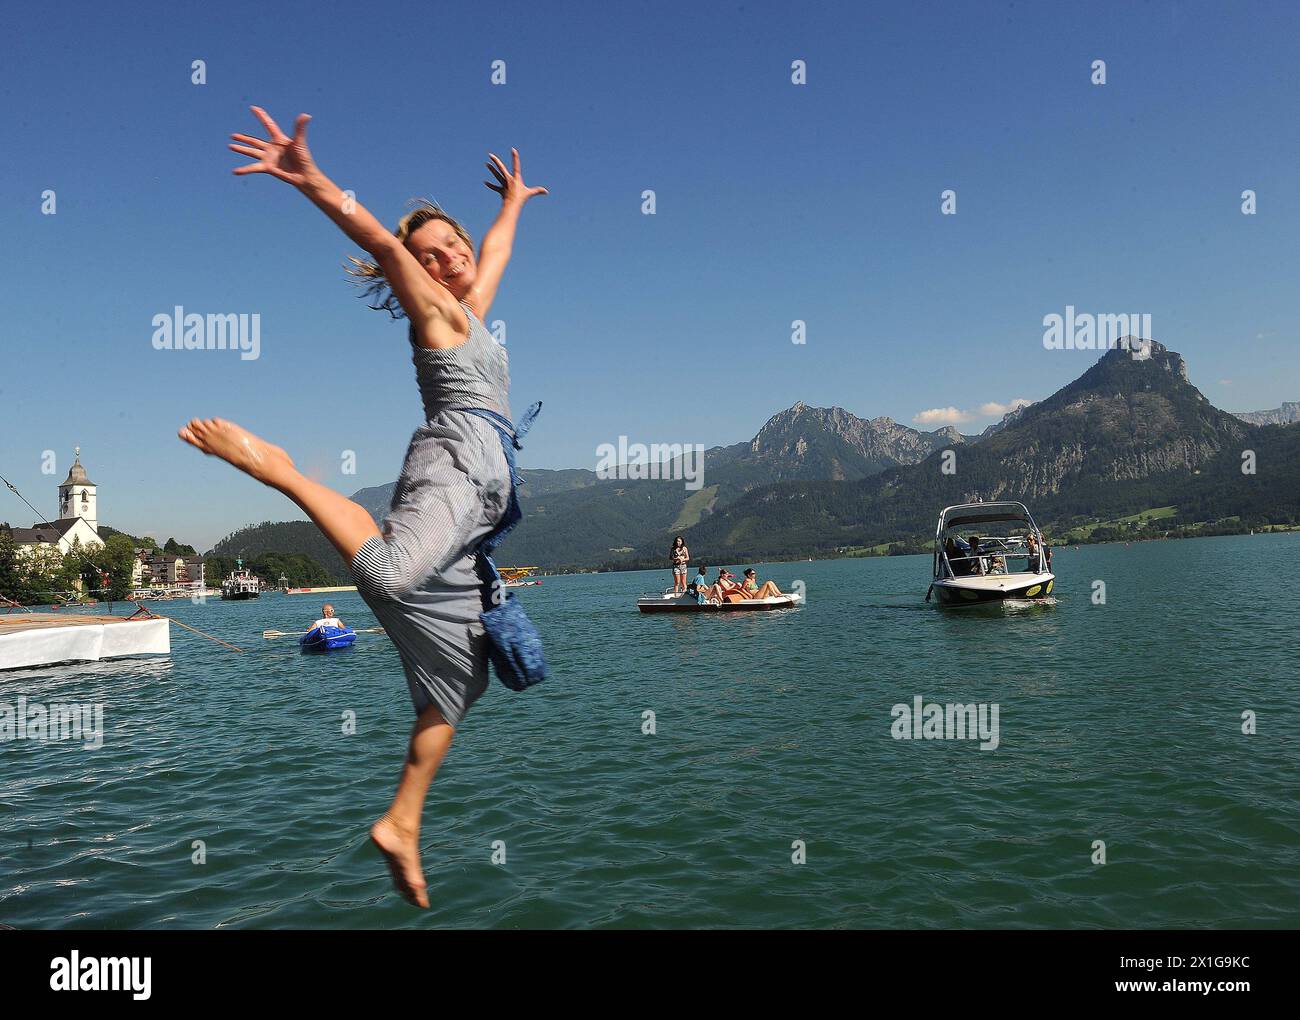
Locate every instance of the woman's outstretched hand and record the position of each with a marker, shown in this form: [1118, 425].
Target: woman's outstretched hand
[510, 186]
[286, 158]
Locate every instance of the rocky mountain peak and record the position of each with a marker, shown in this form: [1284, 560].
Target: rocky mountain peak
[830, 442]
[1011, 416]
[1141, 349]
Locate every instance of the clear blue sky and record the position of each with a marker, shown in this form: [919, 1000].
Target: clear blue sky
[775, 203]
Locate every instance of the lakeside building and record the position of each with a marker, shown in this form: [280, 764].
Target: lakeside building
[78, 526]
[156, 569]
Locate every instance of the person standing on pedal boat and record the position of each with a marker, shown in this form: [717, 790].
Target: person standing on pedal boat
[681, 560]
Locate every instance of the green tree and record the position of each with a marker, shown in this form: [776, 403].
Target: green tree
[12, 583]
[75, 565]
[117, 559]
[42, 573]
[299, 569]
[217, 569]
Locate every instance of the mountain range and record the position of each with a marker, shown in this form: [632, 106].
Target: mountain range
[1130, 434]
[1286, 414]
[577, 518]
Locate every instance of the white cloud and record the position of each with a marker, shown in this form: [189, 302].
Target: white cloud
[941, 416]
[995, 410]
[1225, 382]
[954, 416]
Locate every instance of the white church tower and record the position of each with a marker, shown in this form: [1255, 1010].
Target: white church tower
[77, 495]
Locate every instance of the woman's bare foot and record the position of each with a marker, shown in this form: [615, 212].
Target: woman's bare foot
[402, 851]
[239, 448]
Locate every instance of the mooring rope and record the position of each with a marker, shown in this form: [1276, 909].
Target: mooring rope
[201, 634]
[155, 616]
[10, 604]
[13, 488]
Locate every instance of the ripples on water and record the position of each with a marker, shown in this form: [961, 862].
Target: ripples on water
[1119, 723]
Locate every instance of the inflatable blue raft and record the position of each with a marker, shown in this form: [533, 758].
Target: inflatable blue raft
[326, 639]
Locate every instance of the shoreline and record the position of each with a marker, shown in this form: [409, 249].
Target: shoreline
[1273, 530]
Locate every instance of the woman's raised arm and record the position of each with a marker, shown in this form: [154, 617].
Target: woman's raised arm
[494, 254]
[289, 159]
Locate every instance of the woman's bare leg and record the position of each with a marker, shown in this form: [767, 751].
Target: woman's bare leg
[397, 833]
[346, 524]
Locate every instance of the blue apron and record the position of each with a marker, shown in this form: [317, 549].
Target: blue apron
[514, 645]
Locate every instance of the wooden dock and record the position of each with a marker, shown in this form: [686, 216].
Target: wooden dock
[43, 639]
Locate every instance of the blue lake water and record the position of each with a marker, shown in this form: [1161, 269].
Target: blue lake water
[1118, 722]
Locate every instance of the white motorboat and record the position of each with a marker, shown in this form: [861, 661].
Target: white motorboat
[989, 552]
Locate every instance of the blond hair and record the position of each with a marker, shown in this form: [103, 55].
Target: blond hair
[367, 273]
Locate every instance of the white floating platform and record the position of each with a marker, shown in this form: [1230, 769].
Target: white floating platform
[42, 639]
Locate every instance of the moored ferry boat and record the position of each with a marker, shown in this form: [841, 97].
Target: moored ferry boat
[988, 553]
[241, 584]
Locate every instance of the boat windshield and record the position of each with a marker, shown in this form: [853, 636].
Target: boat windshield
[973, 543]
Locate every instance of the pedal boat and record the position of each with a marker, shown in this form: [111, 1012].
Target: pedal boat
[676, 602]
[968, 580]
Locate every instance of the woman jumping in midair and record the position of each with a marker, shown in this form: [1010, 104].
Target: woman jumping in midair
[418, 574]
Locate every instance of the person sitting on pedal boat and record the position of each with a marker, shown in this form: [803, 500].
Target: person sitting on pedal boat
[726, 589]
[752, 589]
[700, 587]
